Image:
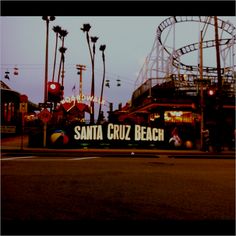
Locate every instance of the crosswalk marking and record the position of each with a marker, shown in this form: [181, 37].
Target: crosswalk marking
[16, 158]
[36, 158]
[82, 158]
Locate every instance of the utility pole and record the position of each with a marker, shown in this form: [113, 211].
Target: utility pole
[80, 68]
[219, 77]
[201, 91]
[219, 88]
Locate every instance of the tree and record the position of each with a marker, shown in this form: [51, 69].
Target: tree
[63, 34]
[57, 29]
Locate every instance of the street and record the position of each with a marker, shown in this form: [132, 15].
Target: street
[133, 145]
[129, 194]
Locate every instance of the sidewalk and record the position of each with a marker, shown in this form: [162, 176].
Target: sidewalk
[14, 144]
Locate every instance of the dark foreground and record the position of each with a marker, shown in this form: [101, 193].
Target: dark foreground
[125, 195]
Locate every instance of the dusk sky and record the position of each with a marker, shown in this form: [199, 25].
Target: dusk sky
[128, 41]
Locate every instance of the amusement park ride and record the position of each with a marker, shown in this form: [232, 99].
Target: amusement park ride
[168, 92]
[164, 69]
[162, 62]
[205, 95]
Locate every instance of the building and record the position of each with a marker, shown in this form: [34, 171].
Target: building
[11, 117]
[176, 102]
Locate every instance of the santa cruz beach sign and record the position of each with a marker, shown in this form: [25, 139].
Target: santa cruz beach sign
[118, 132]
[110, 134]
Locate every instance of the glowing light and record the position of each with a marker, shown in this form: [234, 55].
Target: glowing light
[211, 92]
[52, 86]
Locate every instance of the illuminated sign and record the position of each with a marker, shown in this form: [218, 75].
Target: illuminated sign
[83, 98]
[178, 117]
[117, 132]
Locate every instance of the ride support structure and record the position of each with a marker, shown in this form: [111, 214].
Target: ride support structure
[164, 60]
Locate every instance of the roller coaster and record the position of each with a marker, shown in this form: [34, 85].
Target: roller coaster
[163, 64]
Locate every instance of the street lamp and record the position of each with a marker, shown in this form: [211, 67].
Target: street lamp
[86, 28]
[47, 19]
[102, 48]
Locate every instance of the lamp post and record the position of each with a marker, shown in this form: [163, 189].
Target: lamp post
[102, 48]
[86, 28]
[47, 19]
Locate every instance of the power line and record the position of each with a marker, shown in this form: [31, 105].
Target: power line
[38, 66]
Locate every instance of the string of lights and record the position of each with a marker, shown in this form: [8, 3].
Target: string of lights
[109, 75]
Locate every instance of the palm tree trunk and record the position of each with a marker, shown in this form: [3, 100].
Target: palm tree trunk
[59, 71]
[101, 97]
[90, 52]
[55, 56]
[63, 69]
[92, 83]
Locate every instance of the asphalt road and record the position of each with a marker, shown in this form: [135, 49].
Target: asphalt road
[135, 194]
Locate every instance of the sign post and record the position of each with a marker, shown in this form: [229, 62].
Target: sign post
[23, 110]
[45, 116]
[45, 134]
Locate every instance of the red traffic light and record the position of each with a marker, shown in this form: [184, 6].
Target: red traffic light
[211, 92]
[55, 92]
[54, 87]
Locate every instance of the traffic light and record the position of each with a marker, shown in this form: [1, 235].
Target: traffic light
[211, 98]
[55, 92]
[211, 92]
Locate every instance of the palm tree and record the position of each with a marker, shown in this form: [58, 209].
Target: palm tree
[63, 34]
[102, 48]
[62, 51]
[86, 28]
[57, 30]
[93, 40]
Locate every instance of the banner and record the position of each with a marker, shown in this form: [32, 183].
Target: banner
[111, 134]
